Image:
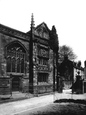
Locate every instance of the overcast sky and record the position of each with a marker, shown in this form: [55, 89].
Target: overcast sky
[68, 16]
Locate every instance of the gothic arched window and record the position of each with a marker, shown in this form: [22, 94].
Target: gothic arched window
[8, 64]
[16, 55]
[13, 64]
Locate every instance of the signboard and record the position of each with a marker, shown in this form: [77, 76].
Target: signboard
[5, 86]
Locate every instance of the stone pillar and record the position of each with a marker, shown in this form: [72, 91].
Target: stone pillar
[2, 61]
[0, 56]
[35, 60]
[85, 70]
[84, 81]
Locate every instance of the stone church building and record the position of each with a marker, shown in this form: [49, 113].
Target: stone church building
[14, 60]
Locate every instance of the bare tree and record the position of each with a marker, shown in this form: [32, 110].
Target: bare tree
[66, 51]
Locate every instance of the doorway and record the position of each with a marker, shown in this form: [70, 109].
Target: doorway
[16, 83]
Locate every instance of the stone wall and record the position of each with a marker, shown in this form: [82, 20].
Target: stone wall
[25, 85]
[4, 41]
[50, 80]
[39, 89]
[2, 58]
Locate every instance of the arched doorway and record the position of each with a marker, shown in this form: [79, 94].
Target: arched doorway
[16, 83]
[16, 57]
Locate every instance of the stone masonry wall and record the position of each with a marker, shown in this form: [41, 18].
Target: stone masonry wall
[50, 80]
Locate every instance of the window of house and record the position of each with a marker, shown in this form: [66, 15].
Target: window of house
[43, 61]
[43, 77]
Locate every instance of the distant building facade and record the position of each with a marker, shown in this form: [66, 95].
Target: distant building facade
[68, 71]
[80, 70]
[14, 59]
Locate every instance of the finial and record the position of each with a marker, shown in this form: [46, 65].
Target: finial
[32, 20]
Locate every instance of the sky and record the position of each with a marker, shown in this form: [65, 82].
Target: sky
[68, 16]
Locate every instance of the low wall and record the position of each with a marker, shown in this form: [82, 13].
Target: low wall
[43, 89]
[38, 89]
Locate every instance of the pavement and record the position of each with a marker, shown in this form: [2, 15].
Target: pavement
[67, 94]
[27, 103]
[18, 96]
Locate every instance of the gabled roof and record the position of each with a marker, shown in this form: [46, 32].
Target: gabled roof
[70, 64]
[42, 24]
[41, 31]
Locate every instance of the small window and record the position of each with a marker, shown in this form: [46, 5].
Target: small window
[43, 61]
[42, 77]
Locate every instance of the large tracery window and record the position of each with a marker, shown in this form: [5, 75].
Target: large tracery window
[13, 64]
[8, 64]
[16, 56]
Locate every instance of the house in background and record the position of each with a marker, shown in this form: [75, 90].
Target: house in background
[68, 71]
[78, 69]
